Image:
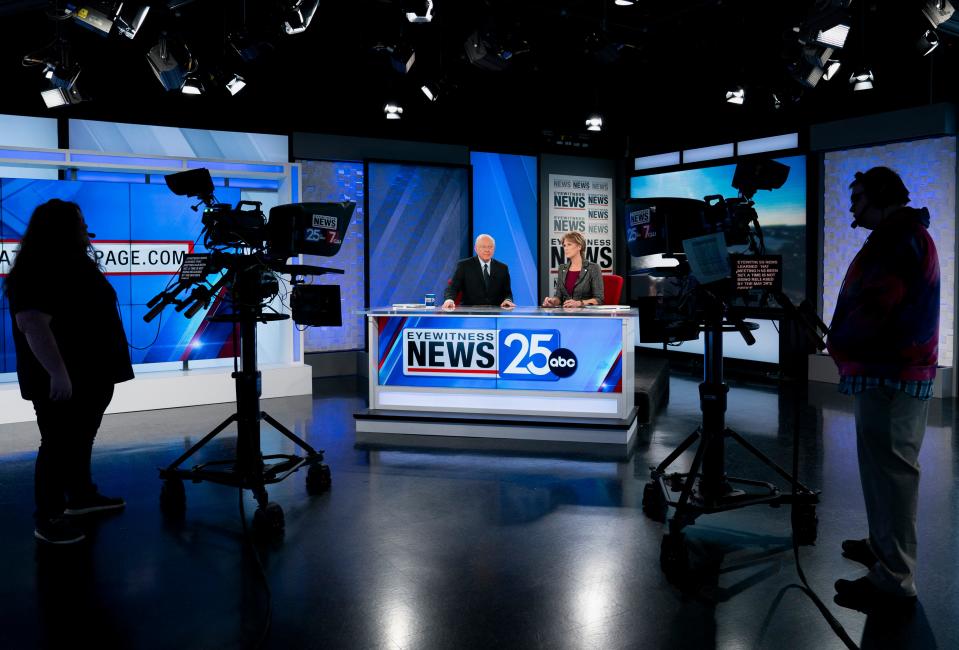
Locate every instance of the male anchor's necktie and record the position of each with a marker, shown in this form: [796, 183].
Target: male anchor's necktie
[486, 275]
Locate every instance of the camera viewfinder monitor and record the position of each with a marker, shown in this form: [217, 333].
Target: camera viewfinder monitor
[659, 225]
[308, 228]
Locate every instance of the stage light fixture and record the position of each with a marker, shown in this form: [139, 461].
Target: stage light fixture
[402, 57]
[247, 47]
[431, 89]
[129, 28]
[831, 68]
[298, 15]
[828, 25]
[812, 66]
[95, 19]
[427, 16]
[393, 111]
[862, 79]
[937, 11]
[735, 95]
[484, 50]
[927, 42]
[171, 62]
[834, 36]
[625, 3]
[235, 84]
[61, 87]
[192, 85]
[594, 123]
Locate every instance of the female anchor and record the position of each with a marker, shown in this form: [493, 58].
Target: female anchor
[71, 350]
[579, 281]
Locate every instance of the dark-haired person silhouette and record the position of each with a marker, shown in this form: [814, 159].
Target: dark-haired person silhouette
[884, 337]
[71, 350]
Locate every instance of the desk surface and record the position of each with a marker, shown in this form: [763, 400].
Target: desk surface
[592, 311]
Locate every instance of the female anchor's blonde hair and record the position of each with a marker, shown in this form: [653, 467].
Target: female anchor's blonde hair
[576, 238]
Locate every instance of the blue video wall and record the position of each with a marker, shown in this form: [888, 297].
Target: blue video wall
[418, 229]
[142, 232]
[506, 210]
[340, 181]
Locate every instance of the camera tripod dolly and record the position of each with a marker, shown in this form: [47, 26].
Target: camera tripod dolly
[705, 488]
[250, 469]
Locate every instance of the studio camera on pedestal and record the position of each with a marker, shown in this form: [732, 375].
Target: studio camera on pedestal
[247, 264]
[707, 270]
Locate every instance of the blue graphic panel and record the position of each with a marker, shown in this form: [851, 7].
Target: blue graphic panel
[90, 135]
[340, 181]
[142, 231]
[419, 228]
[459, 352]
[504, 206]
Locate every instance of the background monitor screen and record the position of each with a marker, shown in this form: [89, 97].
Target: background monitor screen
[782, 212]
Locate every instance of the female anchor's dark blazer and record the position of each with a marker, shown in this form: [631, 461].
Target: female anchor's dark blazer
[588, 285]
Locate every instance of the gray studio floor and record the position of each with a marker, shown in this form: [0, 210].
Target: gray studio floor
[458, 549]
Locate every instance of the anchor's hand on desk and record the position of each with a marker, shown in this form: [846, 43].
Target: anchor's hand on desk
[507, 304]
[449, 305]
[574, 303]
[550, 301]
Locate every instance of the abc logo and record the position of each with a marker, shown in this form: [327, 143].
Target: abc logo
[562, 362]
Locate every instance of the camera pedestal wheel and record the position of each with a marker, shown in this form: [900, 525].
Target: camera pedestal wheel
[318, 479]
[269, 521]
[654, 502]
[173, 497]
[805, 523]
[674, 558]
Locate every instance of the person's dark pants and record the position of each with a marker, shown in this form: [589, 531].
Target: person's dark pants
[67, 430]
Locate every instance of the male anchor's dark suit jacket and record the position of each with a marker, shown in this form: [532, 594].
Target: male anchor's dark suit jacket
[468, 278]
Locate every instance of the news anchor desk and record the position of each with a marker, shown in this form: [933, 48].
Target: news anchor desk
[482, 377]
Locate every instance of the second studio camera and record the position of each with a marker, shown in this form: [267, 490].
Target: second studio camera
[672, 305]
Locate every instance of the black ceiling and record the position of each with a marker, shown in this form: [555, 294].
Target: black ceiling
[656, 71]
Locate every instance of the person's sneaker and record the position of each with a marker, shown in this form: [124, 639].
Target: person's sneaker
[58, 531]
[866, 597]
[95, 502]
[858, 550]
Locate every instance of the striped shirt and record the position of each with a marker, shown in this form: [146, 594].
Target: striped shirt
[851, 385]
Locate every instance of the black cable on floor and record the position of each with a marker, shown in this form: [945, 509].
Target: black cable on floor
[833, 623]
[261, 572]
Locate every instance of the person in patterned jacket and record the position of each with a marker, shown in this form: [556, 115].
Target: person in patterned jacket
[884, 338]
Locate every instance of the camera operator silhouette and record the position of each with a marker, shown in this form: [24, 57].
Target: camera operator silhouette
[884, 337]
[71, 350]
